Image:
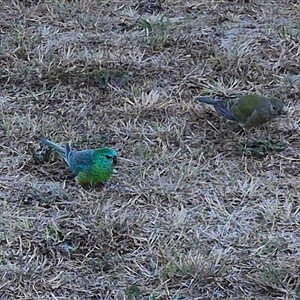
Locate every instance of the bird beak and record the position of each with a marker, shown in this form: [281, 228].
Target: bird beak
[282, 112]
[115, 160]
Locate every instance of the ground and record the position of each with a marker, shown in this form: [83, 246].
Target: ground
[187, 214]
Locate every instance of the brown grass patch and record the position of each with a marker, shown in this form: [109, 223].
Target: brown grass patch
[186, 214]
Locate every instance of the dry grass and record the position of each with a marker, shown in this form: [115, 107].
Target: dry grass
[186, 215]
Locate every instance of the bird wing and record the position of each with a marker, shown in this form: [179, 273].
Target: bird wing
[257, 118]
[221, 108]
[79, 161]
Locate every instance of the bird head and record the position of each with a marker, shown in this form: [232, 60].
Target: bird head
[109, 154]
[276, 106]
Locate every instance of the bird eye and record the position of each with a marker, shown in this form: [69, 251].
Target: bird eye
[108, 156]
[275, 108]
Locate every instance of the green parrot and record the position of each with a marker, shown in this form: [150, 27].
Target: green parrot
[89, 166]
[249, 111]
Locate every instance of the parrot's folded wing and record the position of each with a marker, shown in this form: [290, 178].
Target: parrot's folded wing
[79, 161]
[222, 109]
[257, 118]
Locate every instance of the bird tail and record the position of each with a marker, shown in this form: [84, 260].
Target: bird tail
[67, 152]
[207, 100]
[58, 148]
[220, 106]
